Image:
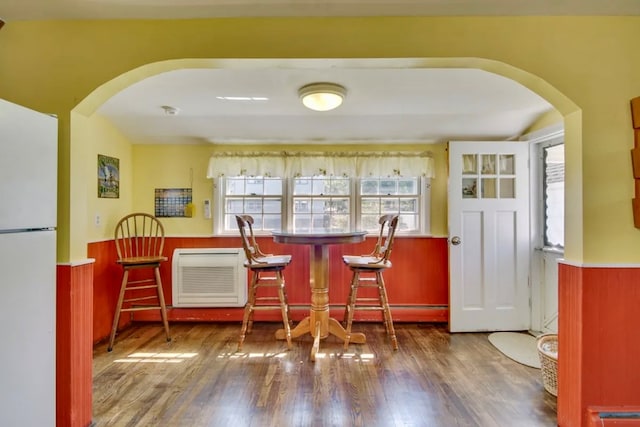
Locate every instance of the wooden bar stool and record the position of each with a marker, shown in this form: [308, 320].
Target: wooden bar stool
[367, 273]
[139, 239]
[266, 271]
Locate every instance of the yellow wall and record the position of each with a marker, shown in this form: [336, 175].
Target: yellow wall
[439, 195]
[550, 118]
[587, 67]
[102, 138]
[439, 191]
[171, 166]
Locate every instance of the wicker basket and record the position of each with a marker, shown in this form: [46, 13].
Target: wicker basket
[548, 352]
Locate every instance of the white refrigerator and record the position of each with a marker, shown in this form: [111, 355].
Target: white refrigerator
[28, 198]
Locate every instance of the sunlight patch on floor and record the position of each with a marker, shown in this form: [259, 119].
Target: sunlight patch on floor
[156, 358]
[241, 355]
[363, 357]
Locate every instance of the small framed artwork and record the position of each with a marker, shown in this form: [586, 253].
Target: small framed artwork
[173, 202]
[108, 177]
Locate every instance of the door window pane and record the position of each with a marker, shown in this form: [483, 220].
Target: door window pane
[495, 180]
[507, 188]
[469, 164]
[507, 164]
[489, 188]
[469, 188]
[488, 164]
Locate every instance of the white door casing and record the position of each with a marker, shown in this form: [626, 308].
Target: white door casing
[544, 259]
[489, 237]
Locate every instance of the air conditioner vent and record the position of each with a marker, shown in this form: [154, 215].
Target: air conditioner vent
[209, 278]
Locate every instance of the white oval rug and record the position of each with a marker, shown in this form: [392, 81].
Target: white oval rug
[517, 346]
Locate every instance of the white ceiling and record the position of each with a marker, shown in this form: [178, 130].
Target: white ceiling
[387, 101]
[383, 104]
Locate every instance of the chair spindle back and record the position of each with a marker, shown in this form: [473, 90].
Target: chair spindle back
[139, 235]
[249, 244]
[388, 223]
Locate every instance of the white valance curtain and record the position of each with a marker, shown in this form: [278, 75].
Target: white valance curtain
[246, 164]
[295, 164]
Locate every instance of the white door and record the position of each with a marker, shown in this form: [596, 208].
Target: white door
[488, 236]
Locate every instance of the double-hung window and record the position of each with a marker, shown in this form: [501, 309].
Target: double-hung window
[319, 192]
[258, 196]
[321, 203]
[388, 195]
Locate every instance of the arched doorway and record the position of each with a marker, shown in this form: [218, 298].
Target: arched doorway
[86, 108]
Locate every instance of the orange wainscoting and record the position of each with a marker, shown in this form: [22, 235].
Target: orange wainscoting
[74, 346]
[598, 345]
[417, 283]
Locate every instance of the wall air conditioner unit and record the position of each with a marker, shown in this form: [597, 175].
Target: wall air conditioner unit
[209, 278]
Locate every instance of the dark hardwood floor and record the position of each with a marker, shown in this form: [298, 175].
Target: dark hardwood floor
[435, 379]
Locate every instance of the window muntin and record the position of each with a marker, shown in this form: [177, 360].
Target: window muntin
[260, 197]
[384, 195]
[494, 179]
[321, 203]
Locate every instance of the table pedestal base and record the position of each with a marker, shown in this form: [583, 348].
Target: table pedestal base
[318, 323]
[334, 328]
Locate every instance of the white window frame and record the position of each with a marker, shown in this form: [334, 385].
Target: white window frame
[424, 207]
[424, 197]
[350, 196]
[543, 214]
[220, 199]
[543, 273]
[553, 135]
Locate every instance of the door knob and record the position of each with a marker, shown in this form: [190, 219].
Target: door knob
[455, 240]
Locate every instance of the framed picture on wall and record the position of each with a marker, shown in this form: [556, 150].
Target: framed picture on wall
[108, 177]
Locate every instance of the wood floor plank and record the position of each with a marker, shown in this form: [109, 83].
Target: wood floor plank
[198, 380]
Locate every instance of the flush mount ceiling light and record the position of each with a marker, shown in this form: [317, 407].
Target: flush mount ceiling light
[322, 96]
